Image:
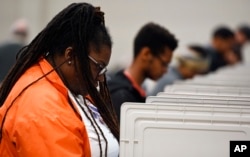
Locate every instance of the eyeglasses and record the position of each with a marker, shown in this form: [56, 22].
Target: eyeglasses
[163, 63]
[102, 69]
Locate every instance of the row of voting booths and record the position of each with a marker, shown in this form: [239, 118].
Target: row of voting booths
[192, 118]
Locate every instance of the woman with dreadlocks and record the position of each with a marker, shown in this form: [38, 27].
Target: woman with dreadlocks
[50, 103]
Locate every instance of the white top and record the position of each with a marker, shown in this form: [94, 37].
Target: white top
[113, 146]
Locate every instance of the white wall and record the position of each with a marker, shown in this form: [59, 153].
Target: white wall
[190, 20]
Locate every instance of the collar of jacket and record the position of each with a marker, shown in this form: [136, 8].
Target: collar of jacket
[53, 77]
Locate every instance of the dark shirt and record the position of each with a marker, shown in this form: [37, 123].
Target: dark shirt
[122, 90]
[216, 60]
[8, 53]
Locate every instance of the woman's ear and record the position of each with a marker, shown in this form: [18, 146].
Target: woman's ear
[68, 53]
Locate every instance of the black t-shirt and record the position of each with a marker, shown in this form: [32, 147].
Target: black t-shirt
[216, 60]
[122, 90]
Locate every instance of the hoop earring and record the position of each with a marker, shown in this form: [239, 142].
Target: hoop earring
[46, 54]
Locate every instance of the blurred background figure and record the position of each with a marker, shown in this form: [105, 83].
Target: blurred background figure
[221, 51]
[10, 47]
[242, 36]
[187, 66]
[153, 48]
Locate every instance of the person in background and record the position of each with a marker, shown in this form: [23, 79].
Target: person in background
[193, 63]
[221, 51]
[50, 103]
[9, 49]
[152, 52]
[242, 36]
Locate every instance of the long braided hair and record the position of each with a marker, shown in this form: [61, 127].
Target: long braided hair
[79, 25]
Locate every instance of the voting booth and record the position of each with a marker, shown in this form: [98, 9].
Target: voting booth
[201, 117]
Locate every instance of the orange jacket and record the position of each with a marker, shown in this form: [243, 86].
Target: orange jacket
[41, 122]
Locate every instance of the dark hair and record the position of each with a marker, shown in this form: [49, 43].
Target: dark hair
[79, 25]
[155, 37]
[223, 32]
[245, 29]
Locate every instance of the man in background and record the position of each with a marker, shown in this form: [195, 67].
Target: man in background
[153, 49]
[10, 48]
[242, 36]
[221, 51]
